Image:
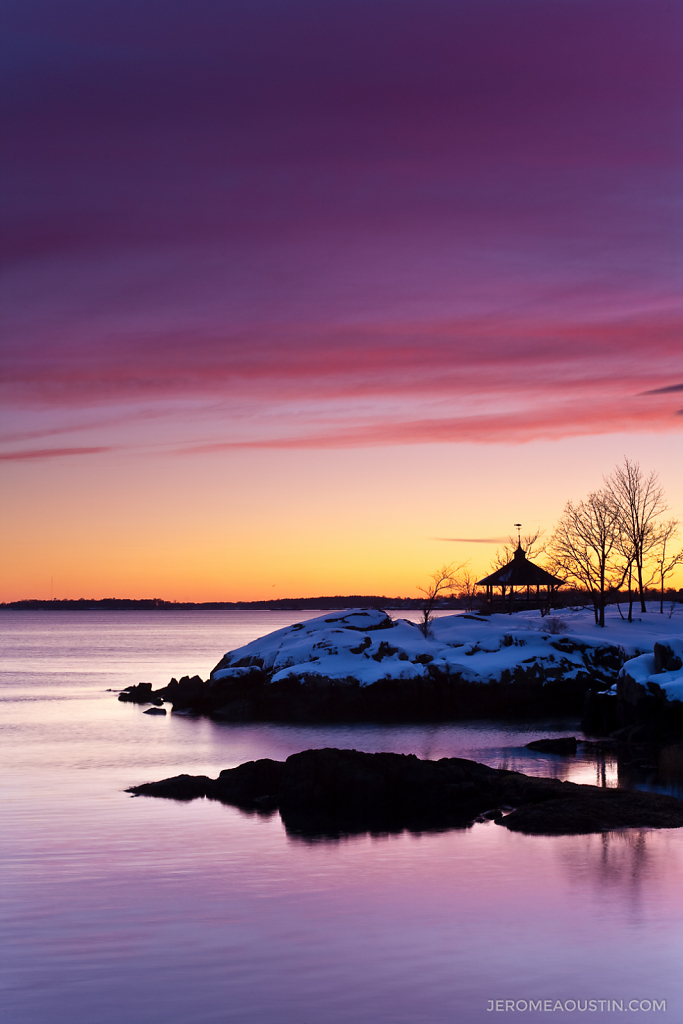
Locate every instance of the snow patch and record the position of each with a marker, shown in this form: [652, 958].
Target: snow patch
[366, 645]
[662, 668]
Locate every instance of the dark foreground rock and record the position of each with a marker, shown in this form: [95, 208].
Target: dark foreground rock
[596, 810]
[361, 665]
[250, 696]
[557, 745]
[330, 792]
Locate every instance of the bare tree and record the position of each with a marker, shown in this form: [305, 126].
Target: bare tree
[666, 562]
[640, 500]
[468, 588]
[584, 547]
[625, 549]
[532, 545]
[444, 581]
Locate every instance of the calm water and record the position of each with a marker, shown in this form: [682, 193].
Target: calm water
[136, 911]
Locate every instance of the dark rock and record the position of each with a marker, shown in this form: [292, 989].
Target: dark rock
[567, 646]
[235, 711]
[666, 660]
[332, 792]
[639, 732]
[386, 622]
[596, 810]
[532, 690]
[600, 745]
[180, 787]
[186, 693]
[558, 745]
[252, 784]
[599, 716]
[251, 661]
[142, 693]
[155, 711]
[385, 650]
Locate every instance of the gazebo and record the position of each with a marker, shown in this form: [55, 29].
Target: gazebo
[522, 574]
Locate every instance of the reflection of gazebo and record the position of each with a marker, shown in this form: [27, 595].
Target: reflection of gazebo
[522, 574]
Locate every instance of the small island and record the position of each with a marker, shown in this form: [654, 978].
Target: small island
[362, 665]
[330, 793]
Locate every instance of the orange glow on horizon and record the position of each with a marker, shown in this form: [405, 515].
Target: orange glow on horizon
[262, 525]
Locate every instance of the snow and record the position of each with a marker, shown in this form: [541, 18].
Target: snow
[637, 637]
[643, 670]
[366, 645]
[640, 669]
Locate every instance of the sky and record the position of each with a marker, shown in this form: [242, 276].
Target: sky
[308, 297]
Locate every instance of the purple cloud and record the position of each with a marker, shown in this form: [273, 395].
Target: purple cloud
[356, 214]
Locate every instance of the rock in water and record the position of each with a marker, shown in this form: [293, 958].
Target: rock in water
[558, 745]
[596, 810]
[140, 694]
[180, 787]
[330, 792]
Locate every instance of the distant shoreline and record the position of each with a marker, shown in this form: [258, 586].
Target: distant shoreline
[282, 604]
[296, 604]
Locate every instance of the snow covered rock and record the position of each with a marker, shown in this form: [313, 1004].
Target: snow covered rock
[361, 665]
[339, 646]
[657, 674]
[366, 646]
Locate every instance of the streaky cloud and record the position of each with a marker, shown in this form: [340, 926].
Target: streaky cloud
[463, 227]
[515, 428]
[474, 540]
[664, 391]
[51, 453]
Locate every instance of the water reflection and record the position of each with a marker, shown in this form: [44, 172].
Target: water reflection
[651, 768]
[622, 864]
[164, 913]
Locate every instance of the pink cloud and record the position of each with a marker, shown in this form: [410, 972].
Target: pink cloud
[484, 356]
[392, 208]
[515, 428]
[49, 453]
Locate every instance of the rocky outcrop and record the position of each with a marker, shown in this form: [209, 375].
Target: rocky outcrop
[649, 693]
[361, 665]
[668, 655]
[315, 698]
[142, 693]
[331, 792]
[591, 809]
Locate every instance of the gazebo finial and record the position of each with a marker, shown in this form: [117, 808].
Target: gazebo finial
[518, 527]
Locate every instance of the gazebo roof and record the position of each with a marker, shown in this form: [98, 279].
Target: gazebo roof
[520, 572]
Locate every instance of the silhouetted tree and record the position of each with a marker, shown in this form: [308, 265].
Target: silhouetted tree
[444, 581]
[532, 545]
[468, 588]
[584, 547]
[665, 561]
[640, 500]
